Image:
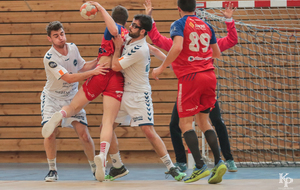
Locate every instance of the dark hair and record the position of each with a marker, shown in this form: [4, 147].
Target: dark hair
[55, 25]
[145, 22]
[187, 5]
[120, 14]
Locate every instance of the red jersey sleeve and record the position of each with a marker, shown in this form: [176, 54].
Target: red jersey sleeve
[158, 39]
[231, 39]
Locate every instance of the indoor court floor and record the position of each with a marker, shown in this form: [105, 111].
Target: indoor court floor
[29, 176]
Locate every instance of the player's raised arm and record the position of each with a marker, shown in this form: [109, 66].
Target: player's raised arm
[157, 53]
[110, 23]
[232, 38]
[157, 39]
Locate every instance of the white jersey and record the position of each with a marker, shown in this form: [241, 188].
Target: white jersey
[56, 65]
[135, 62]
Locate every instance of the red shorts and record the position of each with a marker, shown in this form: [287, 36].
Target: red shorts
[111, 84]
[196, 93]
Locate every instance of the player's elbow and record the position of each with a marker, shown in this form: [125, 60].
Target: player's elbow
[115, 68]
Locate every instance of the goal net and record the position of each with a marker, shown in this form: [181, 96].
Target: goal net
[259, 81]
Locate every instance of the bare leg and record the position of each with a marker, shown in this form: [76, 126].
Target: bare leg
[155, 140]
[78, 102]
[111, 107]
[85, 139]
[50, 145]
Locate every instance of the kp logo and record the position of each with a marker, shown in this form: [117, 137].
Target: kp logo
[285, 180]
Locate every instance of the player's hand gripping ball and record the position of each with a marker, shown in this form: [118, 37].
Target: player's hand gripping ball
[88, 11]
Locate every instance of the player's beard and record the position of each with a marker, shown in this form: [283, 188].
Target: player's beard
[134, 35]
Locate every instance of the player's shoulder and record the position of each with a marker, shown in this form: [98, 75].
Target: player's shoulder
[72, 46]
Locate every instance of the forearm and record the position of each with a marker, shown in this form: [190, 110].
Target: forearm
[89, 65]
[110, 23]
[157, 53]
[172, 55]
[77, 77]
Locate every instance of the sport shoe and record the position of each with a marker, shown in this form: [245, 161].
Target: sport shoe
[198, 174]
[174, 172]
[231, 166]
[53, 122]
[115, 173]
[217, 173]
[181, 166]
[51, 176]
[100, 168]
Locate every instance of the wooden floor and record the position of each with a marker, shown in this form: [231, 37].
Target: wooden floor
[141, 177]
[270, 184]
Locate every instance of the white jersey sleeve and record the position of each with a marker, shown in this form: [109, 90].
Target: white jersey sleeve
[54, 67]
[131, 57]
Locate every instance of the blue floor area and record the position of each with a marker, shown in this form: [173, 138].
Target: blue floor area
[37, 172]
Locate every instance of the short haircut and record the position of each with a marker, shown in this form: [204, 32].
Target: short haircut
[55, 25]
[187, 5]
[145, 22]
[120, 14]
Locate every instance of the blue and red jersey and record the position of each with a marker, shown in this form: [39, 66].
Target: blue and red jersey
[107, 46]
[196, 55]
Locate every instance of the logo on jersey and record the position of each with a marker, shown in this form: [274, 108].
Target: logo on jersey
[75, 62]
[192, 58]
[191, 25]
[52, 64]
[48, 56]
[200, 27]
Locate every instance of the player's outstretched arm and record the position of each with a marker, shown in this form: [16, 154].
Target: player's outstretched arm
[109, 21]
[172, 55]
[89, 65]
[157, 39]
[76, 77]
[157, 53]
[232, 38]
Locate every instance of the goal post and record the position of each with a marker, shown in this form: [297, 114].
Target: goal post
[259, 80]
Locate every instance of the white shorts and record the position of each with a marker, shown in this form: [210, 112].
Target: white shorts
[51, 105]
[136, 109]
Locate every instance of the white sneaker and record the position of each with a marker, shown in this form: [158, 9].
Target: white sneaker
[53, 122]
[100, 168]
[51, 176]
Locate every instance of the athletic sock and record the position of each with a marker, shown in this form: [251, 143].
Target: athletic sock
[116, 160]
[52, 164]
[191, 140]
[167, 161]
[212, 141]
[104, 147]
[93, 166]
[63, 113]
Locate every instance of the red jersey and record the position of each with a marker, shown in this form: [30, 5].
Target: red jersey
[107, 46]
[224, 43]
[196, 56]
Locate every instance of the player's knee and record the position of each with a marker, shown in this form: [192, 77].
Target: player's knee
[85, 137]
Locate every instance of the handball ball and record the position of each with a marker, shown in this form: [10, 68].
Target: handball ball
[88, 11]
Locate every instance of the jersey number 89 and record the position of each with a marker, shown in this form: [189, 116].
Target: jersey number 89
[194, 45]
